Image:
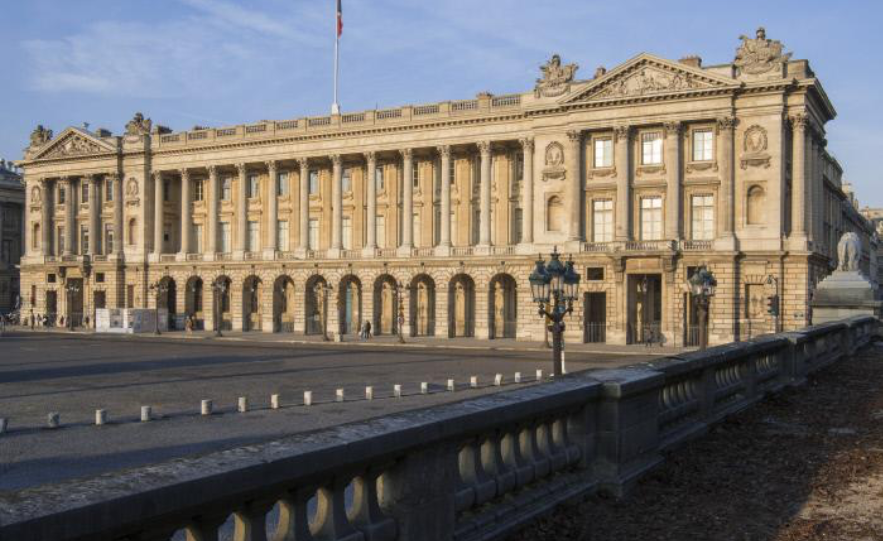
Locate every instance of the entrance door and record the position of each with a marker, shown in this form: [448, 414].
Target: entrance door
[75, 300]
[645, 309]
[51, 308]
[595, 318]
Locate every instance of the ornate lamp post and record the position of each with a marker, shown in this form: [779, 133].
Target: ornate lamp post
[159, 288]
[702, 285]
[555, 285]
[219, 288]
[71, 289]
[400, 290]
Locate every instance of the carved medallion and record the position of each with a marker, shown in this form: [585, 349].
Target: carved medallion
[760, 56]
[36, 195]
[556, 78]
[554, 162]
[132, 192]
[754, 146]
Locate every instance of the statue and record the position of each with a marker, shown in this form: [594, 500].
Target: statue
[138, 125]
[849, 252]
[40, 136]
[760, 55]
[556, 78]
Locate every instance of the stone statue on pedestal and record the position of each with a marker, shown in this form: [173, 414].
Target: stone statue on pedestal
[846, 292]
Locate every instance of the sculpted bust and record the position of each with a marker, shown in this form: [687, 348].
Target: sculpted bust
[849, 252]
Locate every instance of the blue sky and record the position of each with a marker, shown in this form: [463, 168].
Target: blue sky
[221, 62]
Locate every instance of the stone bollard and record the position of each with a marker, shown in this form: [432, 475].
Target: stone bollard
[100, 417]
[498, 380]
[339, 395]
[517, 377]
[539, 375]
[397, 390]
[473, 382]
[451, 385]
[424, 388]
[369, 393]
[274, 401]
[4, 424]
[243, 404]
[308, 398]
[146, 413]
[53, 420]
[205, 407]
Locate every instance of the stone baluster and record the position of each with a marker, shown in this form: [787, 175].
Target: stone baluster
[118, 196]
[241, 211]
[527, 145]
[407, 202]
[798, 179]
[294, 522]
[371, 185]
[250, 521]
[204, 528]
[304, 206]
[94, 215]
[70, 221]
[331, 521]
[158, 213]
[336, 205]
[725, 151]
[673, 180]
[484, 236]
[186, 219]
[272, 211]
[493, 463]
[444, 247]
[534, 452]
[574, 187]
[623, 182]
[214, 201]
[521, 465]
[366, 514]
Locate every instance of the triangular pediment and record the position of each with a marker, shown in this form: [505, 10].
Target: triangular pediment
[647, 75]
[73, 142]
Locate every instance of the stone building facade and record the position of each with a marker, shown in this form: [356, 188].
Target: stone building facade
[12, 205]
[434, 214]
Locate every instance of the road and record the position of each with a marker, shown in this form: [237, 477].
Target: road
[75, 375]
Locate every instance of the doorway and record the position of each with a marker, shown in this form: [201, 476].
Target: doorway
[595, 318]
[645, 309]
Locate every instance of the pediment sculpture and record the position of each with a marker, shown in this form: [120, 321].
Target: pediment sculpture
[554, 162]
[761, 56]
[649, 80]
[556, 78]
[73, 145]
[138, 125]
[754, 148]
[40, 136]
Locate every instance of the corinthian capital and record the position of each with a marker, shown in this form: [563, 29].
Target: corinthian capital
[726, 123]
[304, 164]
[407, 154]
[527, 144]
[799, 122]
[575, 136]
[672, 129]
[242, 168]
[212, 171]
[622, 133]
[484, 147]
[336, 160]
[444, 151]
[271, 166]
[371, 156]
[185, 173]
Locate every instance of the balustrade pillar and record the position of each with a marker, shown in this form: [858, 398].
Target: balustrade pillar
[371, 185]
[336, 204]
[272, 210]
[673, 180]
[241, 211]
[623, 181]
[574, 187]
[798, 179]
[158, 214]
[214, 198]
[407, 202]
[94, 216]
[304, 205]
[527, 144]
[484, 237]
[185, 214]
[726, 204]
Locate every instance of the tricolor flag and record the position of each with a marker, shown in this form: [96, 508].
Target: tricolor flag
[339, 18]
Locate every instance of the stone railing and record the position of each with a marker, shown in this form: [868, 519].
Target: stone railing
[694, 245]
[467, 471]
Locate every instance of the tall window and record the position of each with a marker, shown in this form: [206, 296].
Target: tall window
[517, 226]
[314, 234]
[254, 187]
[84, 192]
[133, 232]
[452, 169]
[108, 190]
[347, 232]
[314, 182]
[35, 237]
[519, 167]
[651, 148]
[347, 180]
[604, 152]
[703, 145]
[282, 234]
[198, 232]
[61, 195]
[227, 189]
[282, 184]
[380, 230]
[651, 218]
[379, 183]
[225, 240]
[254, 236]
[84, 239]
[703, 217]
[602, 220]
[166, 190]
[108, 238]
[415, 175]
[198, 190]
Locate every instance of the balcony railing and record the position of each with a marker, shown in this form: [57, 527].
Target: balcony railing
[253, 256]
[168, 258]
[462, 250]
[649, 245]
[596, 247]
[694, 245]
[194, 257]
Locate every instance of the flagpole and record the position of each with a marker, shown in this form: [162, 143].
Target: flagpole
[335, 107]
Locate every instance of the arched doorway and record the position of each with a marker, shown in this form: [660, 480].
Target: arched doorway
[385, 305]
[422, 305]
[283, 305]
[168, 299]
[221, 297]
[193, 306]
[251, 304]
[316, 305]
[461, 306]
[349, 305]
[503, 307]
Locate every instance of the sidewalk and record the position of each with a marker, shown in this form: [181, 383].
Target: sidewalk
[504, 344]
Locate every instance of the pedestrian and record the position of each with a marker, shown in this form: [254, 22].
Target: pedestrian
[367, 330]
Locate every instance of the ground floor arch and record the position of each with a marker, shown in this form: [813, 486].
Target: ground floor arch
[283, 304]
[503, 307]
[221, 296]
[461, 306]
[193, 301]
[252, 291]
[316, 305]
[167, 299]
[349, 305]
[386, 305]
[422, 305]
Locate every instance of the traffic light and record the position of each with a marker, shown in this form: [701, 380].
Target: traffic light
[772, 305]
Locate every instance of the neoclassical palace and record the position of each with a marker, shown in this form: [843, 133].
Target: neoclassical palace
[427, 219]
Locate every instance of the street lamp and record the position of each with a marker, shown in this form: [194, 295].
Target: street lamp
[219, 287]
[160, 288]
[555, 285]
[702, 285]
[400, 291]
[71, 289]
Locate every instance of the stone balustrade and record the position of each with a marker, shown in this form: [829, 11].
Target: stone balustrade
[467, 471]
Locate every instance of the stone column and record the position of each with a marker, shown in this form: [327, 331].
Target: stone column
[46, 208]
[484, 232]
[407, 202]
[574, 188]
[214, 197]
[673, 181]
[371, 185]
[726, 203]
[527, 145]
[336, 206]
[118, 196]
[444, 247]
[272, 213]
[623, 181]
[70, 222]
[94, 216]
[304, 206]
[157, 213]
[185, 215]
[798, 179]
[241, 211]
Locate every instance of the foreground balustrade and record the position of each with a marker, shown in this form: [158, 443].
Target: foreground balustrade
[466, 471]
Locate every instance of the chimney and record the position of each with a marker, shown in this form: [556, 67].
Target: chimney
[600, 71]
[693, 61]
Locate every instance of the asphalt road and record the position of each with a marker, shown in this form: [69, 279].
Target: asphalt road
[75, 375]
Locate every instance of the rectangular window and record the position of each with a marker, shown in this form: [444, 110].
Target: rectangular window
[379, 183]
[314, 234]
[651, 148]
[99, 277]
[198, 232]
[198, 190]
[61, 195]
[703, 217]
[314, 182]
[380, 230]
[347, 180]
[108, 190]
[453, 170]
[517, 226]
[602, 220]
[108, 238]
[84, 189]
[282, 184]
[84, 240]
[703, 145]
[603, 152]
[166, 190]
[519, 168]
[282, 235]
[347, 233]
[225, 240]
[254, 187]
[594, 273]
[415, 176]
[254, 236]
[651, 218]
[227, 189]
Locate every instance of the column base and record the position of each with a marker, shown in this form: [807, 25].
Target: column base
[208, 256]
[153, 257]
[239, 255]
[404, 251]
[300, 252]
[442, 251]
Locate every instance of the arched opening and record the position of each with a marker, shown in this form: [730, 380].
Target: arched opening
[503, 307]
[554, 214]
[168, 299]
[221, 297]
[193, 305]
[349, 305]
[461, 306]
[386, 303]
[316, 305]
[422, 305]
[132, 232]
[35, 237]
[283, 305]
[252, 288]
[755, 203]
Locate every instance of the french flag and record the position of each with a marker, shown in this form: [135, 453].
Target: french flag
[339, 18]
